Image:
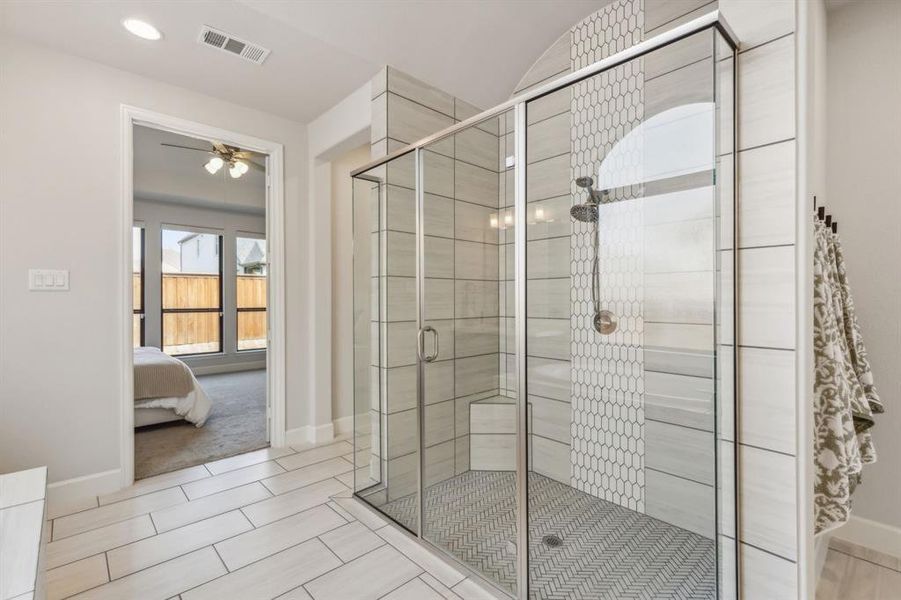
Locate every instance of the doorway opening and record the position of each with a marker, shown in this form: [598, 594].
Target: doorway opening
[205, 341]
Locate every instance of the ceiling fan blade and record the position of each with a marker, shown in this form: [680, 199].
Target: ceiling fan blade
[207, 150]
[220, 147]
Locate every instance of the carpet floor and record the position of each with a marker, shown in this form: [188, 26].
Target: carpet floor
[236, 424]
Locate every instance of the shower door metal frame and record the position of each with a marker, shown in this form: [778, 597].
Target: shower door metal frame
[522, 404]
[710, 21]
[420, 361]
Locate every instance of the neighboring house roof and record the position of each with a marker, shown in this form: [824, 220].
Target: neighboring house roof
[254, 256]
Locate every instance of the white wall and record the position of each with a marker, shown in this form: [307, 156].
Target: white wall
[342, 280]
[336, 131]
[863, 191]
[60, 207]
[154, 215]
[819, 127]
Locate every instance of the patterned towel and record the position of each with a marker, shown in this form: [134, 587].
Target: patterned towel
[845, 398]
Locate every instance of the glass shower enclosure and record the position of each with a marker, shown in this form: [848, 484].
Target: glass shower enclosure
[544, 317]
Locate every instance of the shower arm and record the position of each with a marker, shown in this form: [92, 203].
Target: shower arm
[595, 275]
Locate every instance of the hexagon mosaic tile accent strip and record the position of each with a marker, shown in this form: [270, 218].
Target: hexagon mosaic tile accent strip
[607, 436]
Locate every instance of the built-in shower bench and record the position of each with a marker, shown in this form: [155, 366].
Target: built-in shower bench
[492, 429]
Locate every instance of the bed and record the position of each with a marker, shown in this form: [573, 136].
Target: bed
[166, 390]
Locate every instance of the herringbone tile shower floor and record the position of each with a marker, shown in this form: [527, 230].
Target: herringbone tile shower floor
[608, 552]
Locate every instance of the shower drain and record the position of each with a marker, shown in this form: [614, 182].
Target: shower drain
[552, 541]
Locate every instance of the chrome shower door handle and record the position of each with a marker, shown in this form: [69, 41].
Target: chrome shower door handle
[420, 346]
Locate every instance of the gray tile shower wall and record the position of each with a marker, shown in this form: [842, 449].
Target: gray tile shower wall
[677, 333]
[679, 377]
[767, 450]
[636, 256]
[462, 269]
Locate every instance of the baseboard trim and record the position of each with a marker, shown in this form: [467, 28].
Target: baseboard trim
[296, 436]
[344, 425]
[73, 491]
[227, 368]
[310, 435]
[871, 534]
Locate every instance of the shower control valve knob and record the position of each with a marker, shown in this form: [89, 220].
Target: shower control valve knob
[604, 322]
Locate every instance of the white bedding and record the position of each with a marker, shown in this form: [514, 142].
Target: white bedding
[195, 407]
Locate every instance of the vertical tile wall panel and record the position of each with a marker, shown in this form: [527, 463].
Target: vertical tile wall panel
[678, 55]
[767, 185]
[766, 93]
[766, 301]
[679, 501]
[662, 12]
[766, 109]
[768, 497]
[379, 86]
[765, 576]
[766, 100]
[679, 451]
[768, 399]
[551, 459]
[760, 21]
[401, 84]
[460, 198]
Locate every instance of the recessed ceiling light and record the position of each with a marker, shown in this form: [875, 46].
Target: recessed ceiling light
[142, 29]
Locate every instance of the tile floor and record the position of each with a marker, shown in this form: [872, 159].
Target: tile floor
[854, 572]
[606, 551]
[274, 523]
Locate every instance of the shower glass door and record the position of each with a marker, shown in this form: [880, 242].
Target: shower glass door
[386, 405]
[469, 406]
[546, 394]
[629, 325]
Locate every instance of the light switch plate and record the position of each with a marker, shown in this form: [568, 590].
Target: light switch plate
[48, 280]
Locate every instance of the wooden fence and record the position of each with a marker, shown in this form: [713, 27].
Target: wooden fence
[182, 290]
[185, 332]
[251, 293]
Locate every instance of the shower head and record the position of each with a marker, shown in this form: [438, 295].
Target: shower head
[585, 213]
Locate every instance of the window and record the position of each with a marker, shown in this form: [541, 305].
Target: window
[137, 285]
[192, 292]
[251, 288]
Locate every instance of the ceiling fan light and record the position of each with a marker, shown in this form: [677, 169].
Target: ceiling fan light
[214, 165]
[238, 169]
[235, 170]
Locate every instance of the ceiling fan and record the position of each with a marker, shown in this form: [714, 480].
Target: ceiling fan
[237, 160]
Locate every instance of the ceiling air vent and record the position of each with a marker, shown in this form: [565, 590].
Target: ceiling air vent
[228, 43]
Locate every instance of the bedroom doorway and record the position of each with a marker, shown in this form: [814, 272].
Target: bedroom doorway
[205, 342]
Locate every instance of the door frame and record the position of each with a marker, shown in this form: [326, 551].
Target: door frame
[275, 239]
